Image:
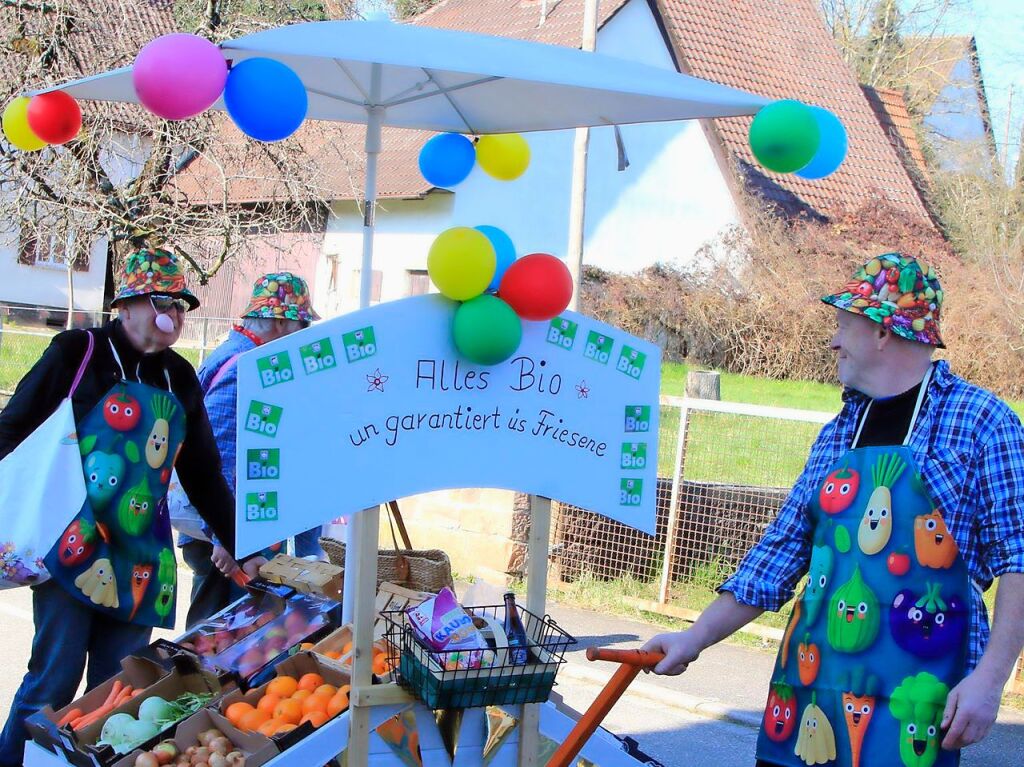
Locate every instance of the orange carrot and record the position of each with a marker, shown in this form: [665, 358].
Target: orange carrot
[125, 694]
[115, 690]
[72, 714]
[137, 693]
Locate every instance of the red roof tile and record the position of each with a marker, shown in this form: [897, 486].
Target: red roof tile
[891, 110]
[783, 50]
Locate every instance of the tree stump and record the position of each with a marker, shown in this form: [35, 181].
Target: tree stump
[703, 384]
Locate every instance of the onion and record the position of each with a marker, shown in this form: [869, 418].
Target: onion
[218, 760]
[236, 759]
[166, 752]
[146, 759]
[202, 754]
[221, 745]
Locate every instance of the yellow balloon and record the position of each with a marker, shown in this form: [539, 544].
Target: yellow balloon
[505, 156]
[16, 128]
[461, 262]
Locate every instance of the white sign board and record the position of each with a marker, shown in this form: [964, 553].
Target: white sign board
[377, 405]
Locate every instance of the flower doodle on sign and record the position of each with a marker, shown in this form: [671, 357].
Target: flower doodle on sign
[582, 389]
[376, 381]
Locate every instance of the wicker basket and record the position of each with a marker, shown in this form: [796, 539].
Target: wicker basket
[419, 569]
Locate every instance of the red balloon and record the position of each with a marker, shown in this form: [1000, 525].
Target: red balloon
[55, 117]
[537, 286]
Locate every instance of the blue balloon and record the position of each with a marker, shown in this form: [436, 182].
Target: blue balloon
[503, 249]
[832, 148]
[265, 98]
[447, 159]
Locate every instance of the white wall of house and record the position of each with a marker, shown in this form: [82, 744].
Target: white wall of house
[671, 200]
[956, 124]
[45, 283]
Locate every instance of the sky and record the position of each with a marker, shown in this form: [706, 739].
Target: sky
[998, 27]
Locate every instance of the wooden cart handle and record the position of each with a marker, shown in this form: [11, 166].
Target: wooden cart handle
[641, 658]
[240, 578]
[632, 661]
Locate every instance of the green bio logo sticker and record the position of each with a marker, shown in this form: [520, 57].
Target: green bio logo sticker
[634, 455]
[317, 356]
[261, 507]
[562, 333]
[275, 369]
[631, 362]
[599, 347]
[263, 418]
[264, 463]
[638, 418]
[631, 492]
[359, 344]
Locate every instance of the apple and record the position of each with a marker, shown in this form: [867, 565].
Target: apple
[295, 622]
[898, 563]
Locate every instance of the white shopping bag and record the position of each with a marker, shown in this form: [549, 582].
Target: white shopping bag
[42, 489]
[184, 517]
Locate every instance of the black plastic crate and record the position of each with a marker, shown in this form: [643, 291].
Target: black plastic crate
[432, 678]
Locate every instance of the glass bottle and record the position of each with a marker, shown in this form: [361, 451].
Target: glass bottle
[518, 642]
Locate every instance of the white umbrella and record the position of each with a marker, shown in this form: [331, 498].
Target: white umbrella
[381, 73]
[409, 76]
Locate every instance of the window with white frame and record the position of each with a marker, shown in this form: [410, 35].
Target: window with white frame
[418, 282]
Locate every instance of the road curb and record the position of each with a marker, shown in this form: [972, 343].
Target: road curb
[666, 697]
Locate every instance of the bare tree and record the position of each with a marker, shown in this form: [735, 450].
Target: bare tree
[138, 180]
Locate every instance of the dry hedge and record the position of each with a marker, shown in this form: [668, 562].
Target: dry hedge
[751, 304]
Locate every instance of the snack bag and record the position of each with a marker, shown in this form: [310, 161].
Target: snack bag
[443, 626]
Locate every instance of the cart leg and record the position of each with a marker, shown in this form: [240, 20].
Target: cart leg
[536, 603]
[366, 526]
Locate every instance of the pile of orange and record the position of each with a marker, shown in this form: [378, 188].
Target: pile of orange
[288, 702]
[381, 661]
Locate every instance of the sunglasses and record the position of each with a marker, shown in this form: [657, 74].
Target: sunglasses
[164, 304]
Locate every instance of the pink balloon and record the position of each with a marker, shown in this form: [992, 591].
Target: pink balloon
[178, 76]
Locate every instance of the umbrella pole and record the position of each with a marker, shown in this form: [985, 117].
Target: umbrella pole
[361, 534]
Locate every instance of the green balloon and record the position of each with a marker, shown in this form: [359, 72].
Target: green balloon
[784, 136]
[487, 330]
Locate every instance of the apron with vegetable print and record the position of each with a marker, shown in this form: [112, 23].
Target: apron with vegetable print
[117, 555]
[879, 636]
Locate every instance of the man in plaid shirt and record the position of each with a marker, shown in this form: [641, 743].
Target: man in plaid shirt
[968, 447]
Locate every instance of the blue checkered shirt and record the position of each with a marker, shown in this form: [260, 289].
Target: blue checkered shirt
[220, 401]
[969, 446]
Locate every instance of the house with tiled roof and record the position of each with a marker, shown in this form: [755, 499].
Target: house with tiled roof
[684, 181]
[946, 88]
[32, 262]
[678, 192]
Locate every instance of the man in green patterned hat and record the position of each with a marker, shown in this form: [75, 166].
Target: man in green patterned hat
[910, 505]
[279, 306]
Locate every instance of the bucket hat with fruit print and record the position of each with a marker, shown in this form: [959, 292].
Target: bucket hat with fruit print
[896, 291]
[281, 296]
[152, 270]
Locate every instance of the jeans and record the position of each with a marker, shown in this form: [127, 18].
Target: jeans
[67, 632]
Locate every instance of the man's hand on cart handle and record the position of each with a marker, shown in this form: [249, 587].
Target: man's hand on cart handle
[677, 650]
[632, 657]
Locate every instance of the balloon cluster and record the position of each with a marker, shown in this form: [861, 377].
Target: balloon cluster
[447, 159]
[179, 76]
[479, 268]
[49, 118]
[790, 137]
[176, 77]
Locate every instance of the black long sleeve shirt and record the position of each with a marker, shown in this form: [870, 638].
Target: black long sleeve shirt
[44, 387]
